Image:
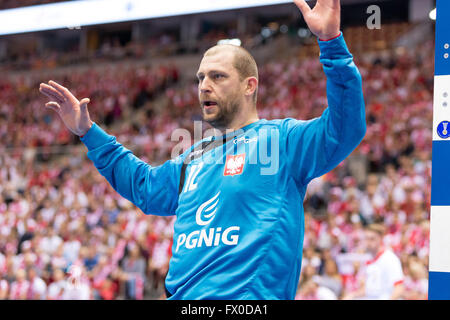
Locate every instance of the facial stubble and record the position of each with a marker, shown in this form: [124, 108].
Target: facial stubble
[227, 112]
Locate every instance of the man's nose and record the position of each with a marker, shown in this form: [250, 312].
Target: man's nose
[205, 86]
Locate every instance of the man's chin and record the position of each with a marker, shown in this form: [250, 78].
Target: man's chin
[210, 110]
[215, 120]
[211, 120]
[210, 115]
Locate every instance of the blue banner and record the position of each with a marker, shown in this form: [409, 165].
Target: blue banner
[439, 263]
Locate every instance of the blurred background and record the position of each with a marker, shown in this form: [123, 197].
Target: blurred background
[66, 234]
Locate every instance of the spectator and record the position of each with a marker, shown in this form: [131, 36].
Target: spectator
[92, 258]
[314, 290]
[133, 267]
[331, 278]
[383, 273]
[4, 289]
[58, 286]
[416, 282]
[38, 287]
[77, 287]
[19, 287]
[107, 290]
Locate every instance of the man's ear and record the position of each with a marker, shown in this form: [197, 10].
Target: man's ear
[252, 85]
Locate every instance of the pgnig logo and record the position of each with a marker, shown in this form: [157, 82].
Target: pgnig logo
[211, 237]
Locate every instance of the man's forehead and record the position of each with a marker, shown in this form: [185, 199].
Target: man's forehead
[217, 59]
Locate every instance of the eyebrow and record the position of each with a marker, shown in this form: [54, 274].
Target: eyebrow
[211, 72]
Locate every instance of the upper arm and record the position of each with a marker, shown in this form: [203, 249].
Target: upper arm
[310, 146]
[316, 146]
[153, 189]
[395, 271]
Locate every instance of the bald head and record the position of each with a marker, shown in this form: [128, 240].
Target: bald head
[227, 87]
[242, 60]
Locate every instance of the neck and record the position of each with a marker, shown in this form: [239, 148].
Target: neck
[238, 123]
[242, 124]
[377, 252]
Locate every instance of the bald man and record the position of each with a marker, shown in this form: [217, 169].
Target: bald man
[237, 195]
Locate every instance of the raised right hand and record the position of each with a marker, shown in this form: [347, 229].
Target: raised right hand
[73, 113]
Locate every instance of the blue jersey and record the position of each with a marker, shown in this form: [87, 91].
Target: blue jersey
[239, 223]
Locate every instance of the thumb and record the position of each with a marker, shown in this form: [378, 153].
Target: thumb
[83, 106]
[83, 103]
[303, 6]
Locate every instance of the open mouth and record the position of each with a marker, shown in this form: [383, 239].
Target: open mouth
[209, 103]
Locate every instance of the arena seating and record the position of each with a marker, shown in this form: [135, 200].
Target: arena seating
[60, 221]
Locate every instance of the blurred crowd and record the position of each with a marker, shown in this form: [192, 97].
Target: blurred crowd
[111, 49]
[11, 4]
[66, 234]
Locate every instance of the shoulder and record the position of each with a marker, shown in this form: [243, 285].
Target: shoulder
[178, 160]
[282, 122]
[389, 257]
[284, 125]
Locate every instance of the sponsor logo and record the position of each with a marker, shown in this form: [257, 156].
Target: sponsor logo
[234, 164]
[208, 210]
[211, 237]
[245, 140]
[443, 129]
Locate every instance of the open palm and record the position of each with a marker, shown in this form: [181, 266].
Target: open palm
[324, 19]
[73, 113]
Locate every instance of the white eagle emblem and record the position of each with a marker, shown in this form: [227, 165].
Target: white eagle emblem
[234, 164]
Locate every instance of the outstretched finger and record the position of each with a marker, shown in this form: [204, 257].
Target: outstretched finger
[303, 6]
[331, 3]
[62, 90]
[53, 105]
[51, 93]
[337, 2]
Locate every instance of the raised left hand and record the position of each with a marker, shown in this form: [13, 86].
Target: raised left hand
[324, 19]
